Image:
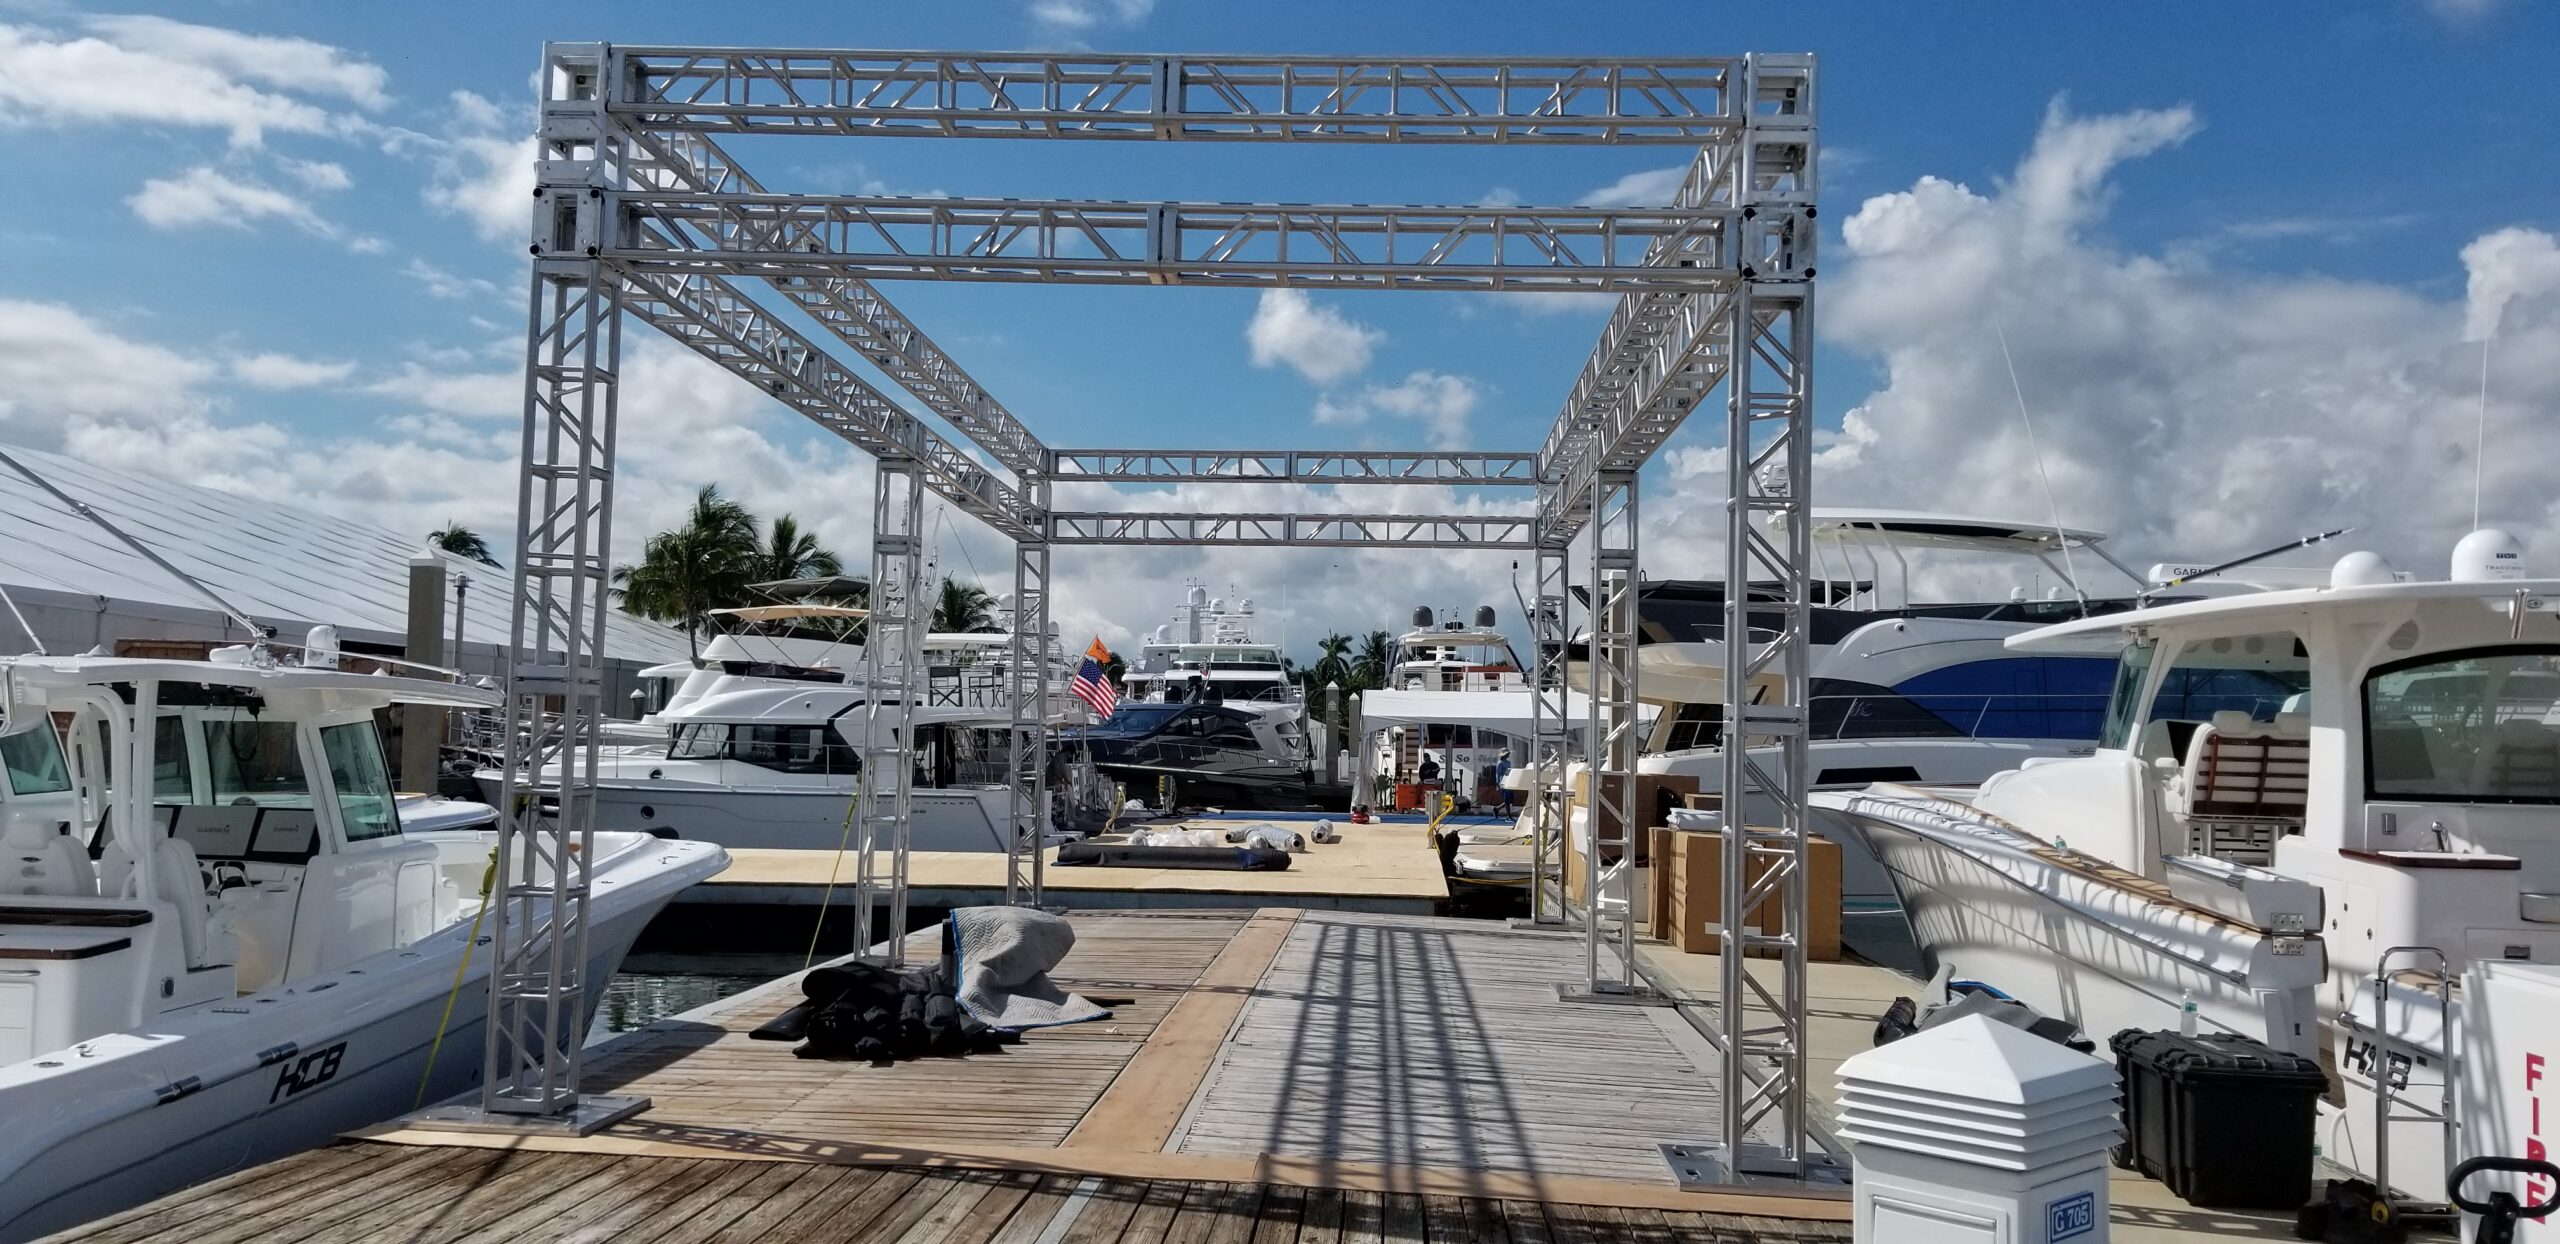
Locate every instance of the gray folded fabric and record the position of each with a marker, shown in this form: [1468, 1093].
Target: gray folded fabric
[1004, 955]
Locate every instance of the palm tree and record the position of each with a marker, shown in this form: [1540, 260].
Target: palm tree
[1333, 662]
[963, 607]
[461, 541]
[1375, 663]
[687, 572]
[790, 553]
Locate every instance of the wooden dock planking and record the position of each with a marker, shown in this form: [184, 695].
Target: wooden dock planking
[1240, 1097]
[1385, 1039]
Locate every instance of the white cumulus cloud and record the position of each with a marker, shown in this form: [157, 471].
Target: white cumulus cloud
[1441, 403]
[204, 195]
[1076, 15]
[484, 172]
[161, 72]
[284, 371]
[1315, 341]
[58, 365]
[2194, 409]
[297, 64]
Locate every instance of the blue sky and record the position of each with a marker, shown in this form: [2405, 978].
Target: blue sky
[332, 306]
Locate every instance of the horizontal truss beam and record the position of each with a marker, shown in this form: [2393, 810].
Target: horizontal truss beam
[1290, 466]
[712, 318]
[1086, 242]
[1403, 531]
[852, 310]
[1536, 100]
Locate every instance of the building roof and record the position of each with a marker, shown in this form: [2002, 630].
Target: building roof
[279, 563]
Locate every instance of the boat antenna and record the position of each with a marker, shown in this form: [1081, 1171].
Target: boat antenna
[2237, 562]
[257, 633]
[2034, 448]
[2480, 436]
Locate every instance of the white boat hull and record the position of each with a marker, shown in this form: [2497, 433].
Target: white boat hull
[1995, 917]
[279, 1072]
[963, 819]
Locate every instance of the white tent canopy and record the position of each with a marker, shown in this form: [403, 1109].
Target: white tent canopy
[1504, 712]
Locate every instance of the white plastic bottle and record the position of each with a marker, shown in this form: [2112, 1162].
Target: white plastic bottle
[2186, 1013]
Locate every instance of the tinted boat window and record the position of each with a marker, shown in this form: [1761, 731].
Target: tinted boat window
[2475, 727]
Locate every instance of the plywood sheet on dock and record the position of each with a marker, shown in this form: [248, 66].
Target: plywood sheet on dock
[1390, 862]
[709, 1073]
[1443, 1042]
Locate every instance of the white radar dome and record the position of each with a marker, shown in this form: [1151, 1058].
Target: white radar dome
[2488, 556]
[1199, 595]
[2360, 569]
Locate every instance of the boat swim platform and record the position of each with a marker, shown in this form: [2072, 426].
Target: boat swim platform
[1273, 1075]
[1386, 869]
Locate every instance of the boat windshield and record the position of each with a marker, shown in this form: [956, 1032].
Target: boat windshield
[2133, 669]
[360, 778]
[33, 757]
[255, 762]
[2260, 675]
[2474, 727]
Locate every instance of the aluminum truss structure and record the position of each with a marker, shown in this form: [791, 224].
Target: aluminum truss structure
[894, 676]
[1288, 466]
[641, 211]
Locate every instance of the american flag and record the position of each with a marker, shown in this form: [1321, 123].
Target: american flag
[1092, 686]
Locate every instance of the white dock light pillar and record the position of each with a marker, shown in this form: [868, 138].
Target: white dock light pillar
[1979, 1132]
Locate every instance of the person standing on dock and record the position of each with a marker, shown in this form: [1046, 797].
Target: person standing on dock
[1430, 771]
[1501, 781]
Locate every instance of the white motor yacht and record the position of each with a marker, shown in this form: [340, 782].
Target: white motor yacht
[1452, 688]
[267, 963]
[1902, 689]
[1210, 653]
[757, 746]
[2308, 813]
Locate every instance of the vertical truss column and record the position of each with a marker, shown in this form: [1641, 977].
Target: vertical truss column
[532, 1047]
[1768, 543]
[1027, 678]
[1768, 533]
[1550, 733]
[1614, 739]
[893, 677]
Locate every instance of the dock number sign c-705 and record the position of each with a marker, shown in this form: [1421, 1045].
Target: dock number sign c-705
[2073, 1215]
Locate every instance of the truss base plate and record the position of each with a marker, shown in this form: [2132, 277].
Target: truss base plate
[1532, 924]
[591, 1115]
[1700, 1165]
[1611, 994]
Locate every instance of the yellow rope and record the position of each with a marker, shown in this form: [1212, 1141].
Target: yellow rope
[488, 881]
[1440, 810]
[851, 807]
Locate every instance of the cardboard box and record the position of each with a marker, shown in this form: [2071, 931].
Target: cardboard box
[1691, 888]
[1655, 795]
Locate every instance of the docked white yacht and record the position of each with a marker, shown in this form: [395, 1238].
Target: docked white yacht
[2302, 801]
[1209, 715]
[1902, 689]
[757, 746]
[266, 964]
[1210, 654]
[1456, 697]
